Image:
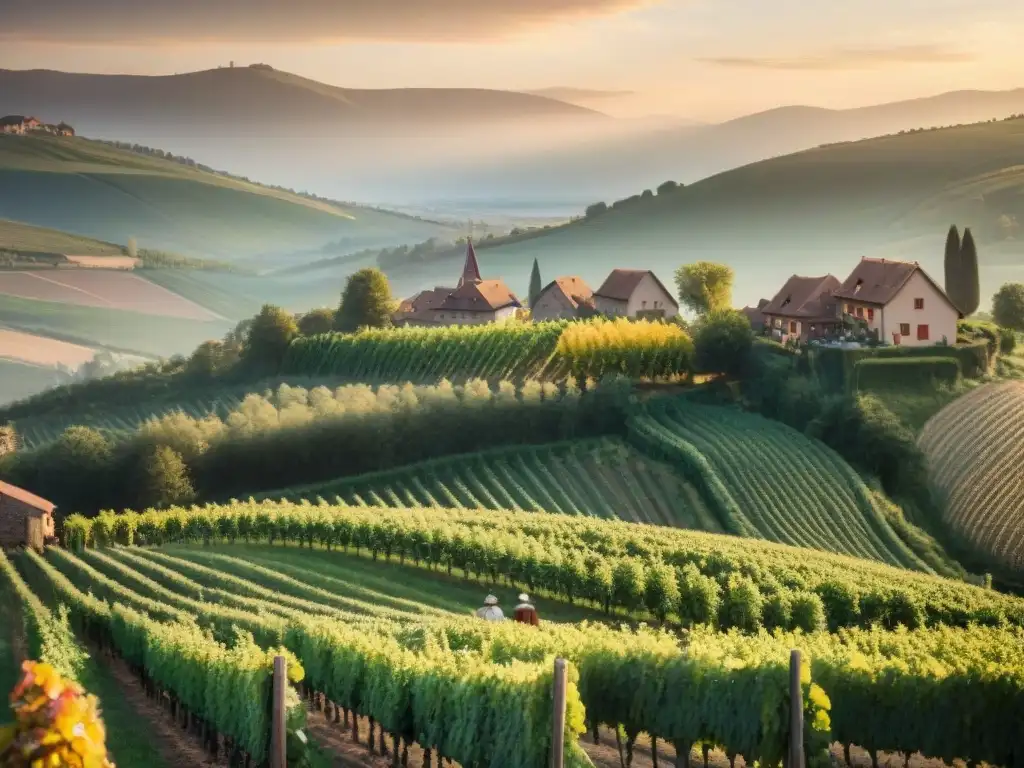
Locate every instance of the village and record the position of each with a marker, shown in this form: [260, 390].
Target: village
[21, 125]
[882, 301]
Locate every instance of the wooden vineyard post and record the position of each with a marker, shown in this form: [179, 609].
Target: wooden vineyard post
[558, 721]
[278, 735]
[796, 713]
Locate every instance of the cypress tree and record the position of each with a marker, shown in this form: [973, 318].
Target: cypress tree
[535, 285]
[971, 286]
[952, 266]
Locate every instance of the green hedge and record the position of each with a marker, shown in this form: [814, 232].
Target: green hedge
[836, 368]
[881, 373]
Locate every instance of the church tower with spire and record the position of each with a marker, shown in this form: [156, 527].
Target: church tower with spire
[471, 269]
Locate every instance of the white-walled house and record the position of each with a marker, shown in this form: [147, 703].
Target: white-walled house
[564, 298]
[900, 302]
[635, 293]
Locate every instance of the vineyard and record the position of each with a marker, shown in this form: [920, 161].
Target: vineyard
[549, 350]
[602, 477]
[391, 649]
[975, 448]
[766, 480]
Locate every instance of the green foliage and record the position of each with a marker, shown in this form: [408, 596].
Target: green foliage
[952, 266]
[835, 367]
[268, 337]
[667, 187]
[596, 209]
[705, 287]
[1008, 306]
[881, 373]
[316, 321]
[969, 291]
[162, 479]
[48, 637]
[723, 342]
[366, 301]
[206, 361]
[535, 283]
[543, 553]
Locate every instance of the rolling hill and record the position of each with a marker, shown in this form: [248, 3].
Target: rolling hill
[974, 448]
[20, 237]
[96, 191]
[806, 213]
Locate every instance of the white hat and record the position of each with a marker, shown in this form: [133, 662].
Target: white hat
[524, 598]
[490, 600]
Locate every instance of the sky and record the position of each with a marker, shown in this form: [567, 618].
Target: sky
[706, 60]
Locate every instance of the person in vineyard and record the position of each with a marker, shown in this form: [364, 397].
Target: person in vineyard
[526, 613]
[490, 611]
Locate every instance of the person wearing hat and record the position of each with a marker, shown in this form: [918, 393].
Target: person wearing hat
[525, 613]
[490, 611]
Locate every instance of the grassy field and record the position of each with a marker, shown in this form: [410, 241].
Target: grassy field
[96, 191]
[765, 480]
[117, 329]
[807, 213]
[604, 478]
[17, 236]
[975, 448]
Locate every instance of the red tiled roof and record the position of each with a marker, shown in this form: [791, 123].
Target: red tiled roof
[20, 494]
[480, 296]
[877, 281]
[801, 296]
[621, 283]
[574, 288]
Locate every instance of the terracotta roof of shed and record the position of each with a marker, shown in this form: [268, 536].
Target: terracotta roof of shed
[801, 296]
[621, 283]
[20, 494]
[481, 296]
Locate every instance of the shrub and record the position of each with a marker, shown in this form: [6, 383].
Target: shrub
[661, 591]
[1007, 341]
[596, 209]
[842, 604]
[1008, 306]
[667, 187]
[723, 343]
[743, 605]
[778, 611]
[700, 597]
[882, 373]
[808, 612]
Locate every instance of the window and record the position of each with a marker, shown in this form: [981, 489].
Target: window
[860, 311]
[918, 303]
[871, 314]
[792, 326]
[922, 333]
[904, 329]
[643, 304]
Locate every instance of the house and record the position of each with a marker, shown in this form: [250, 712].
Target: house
[563, 298]
[804, 309]
[473, 300]
[63, 129]
[25, 519]
[12, 124]
[634, 293]
[900, 302]
[756, 315]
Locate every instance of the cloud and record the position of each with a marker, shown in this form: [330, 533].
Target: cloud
[140, 21]
[849, 58]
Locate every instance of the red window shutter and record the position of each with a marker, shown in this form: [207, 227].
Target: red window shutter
[871, 314]
[792, 326]
[922, 333]
[860, 311]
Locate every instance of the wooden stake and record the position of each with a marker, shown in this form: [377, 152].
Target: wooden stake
[278, 737]
[796, 713]
[558, 721]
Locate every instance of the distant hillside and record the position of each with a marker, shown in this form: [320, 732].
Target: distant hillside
[810, 213]
[257, 101]
[97, 191]
[20, 238]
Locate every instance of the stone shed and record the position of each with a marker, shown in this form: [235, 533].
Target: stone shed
[25, 519]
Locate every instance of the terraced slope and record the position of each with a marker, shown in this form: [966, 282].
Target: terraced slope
[766, 480]
[602, 478]
[975, 452]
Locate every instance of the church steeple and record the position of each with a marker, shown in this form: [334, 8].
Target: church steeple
[471, 270]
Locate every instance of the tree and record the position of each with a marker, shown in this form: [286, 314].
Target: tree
[951, 262]
[535, 284]
[723, 343]
[161, 479]
[596, 209]
[366, 302]
[205, 361]
[316, 322]
[970, 286]
[1008, 306]
[667, 187]
[271, 332]
[705, 287]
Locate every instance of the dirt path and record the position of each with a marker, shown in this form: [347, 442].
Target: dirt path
[176, 746]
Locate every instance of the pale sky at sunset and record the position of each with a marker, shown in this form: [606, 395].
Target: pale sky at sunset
[705, 59]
